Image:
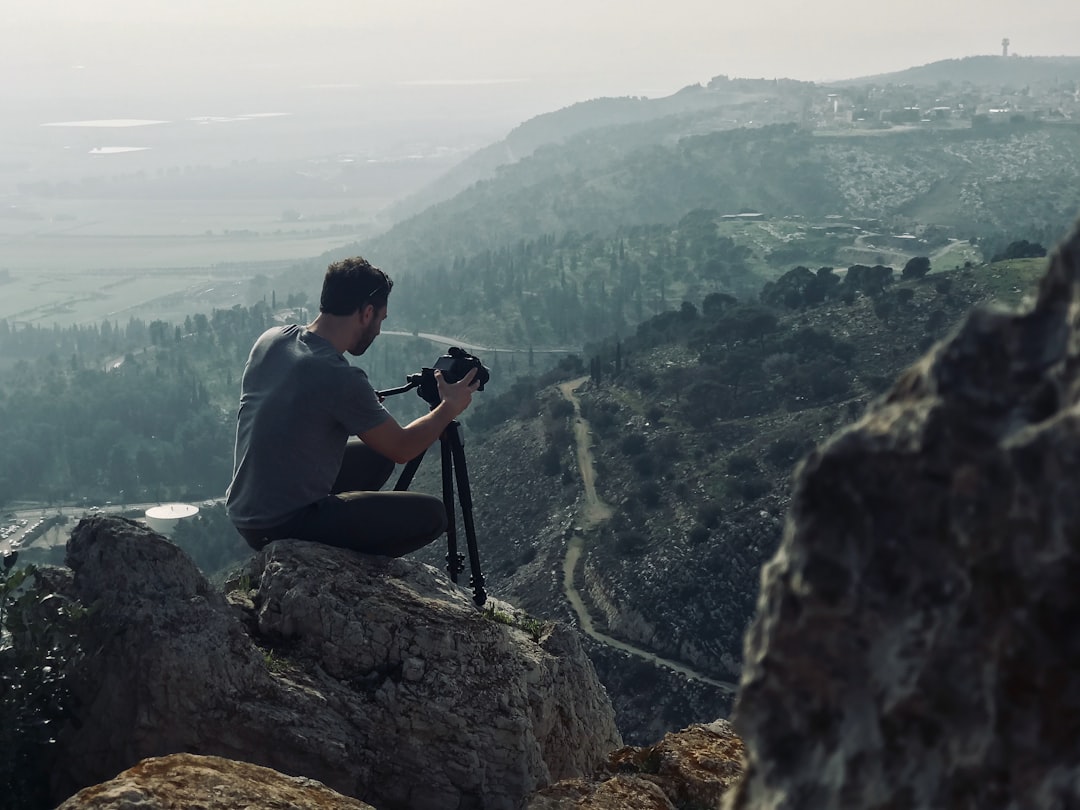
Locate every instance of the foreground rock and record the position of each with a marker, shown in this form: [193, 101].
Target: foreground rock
[916, 644]
[377, 677]
[692, 768]
[185, 781]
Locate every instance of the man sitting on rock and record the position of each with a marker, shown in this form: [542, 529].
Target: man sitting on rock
[297, 473]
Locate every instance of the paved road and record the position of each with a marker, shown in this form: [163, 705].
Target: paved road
[70, 511]
[475, 347]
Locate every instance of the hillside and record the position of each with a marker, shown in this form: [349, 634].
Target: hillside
[630, 123]
[553, 257]
[983, 71]
[966, 180]
[573, 227]
[696, 424]
[638, 121]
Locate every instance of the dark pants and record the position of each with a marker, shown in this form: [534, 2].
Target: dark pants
[359, 517]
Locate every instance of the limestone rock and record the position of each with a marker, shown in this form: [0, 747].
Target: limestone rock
[916, 639]
[377, 677]
[184, 781]
[692, 768]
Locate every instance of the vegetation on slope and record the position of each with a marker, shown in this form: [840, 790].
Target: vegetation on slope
[698, 421]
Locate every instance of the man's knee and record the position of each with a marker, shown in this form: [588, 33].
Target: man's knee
[435, 517]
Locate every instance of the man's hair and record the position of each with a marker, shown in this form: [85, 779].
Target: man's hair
[351, 284]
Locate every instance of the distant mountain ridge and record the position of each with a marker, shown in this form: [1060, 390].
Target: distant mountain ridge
[982, 71]
[690, 103]
[963, 178]
[721, 93]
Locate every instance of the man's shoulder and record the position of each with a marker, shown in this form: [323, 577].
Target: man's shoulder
[276, 333]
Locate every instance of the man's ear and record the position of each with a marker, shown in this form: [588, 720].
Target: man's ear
[367, 312]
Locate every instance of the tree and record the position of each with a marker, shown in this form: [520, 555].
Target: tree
[715, 304]
[747, 323]
[1021, 249]
[916, 267]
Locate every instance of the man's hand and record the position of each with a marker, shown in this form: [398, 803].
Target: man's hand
[457, 396]
[401, 444]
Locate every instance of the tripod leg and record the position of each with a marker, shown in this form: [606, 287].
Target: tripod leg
[454, 560]
[407, 474]
[457, 450]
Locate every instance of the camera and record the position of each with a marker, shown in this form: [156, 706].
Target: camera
[454, 365]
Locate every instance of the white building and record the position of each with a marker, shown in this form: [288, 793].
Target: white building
[162, 519]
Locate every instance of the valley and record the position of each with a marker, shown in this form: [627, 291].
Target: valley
[677, 305]
[593, 514]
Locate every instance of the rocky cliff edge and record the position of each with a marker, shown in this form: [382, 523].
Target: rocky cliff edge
[377, 677]
[916, 644]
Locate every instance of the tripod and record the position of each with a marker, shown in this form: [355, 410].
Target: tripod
[453, 467]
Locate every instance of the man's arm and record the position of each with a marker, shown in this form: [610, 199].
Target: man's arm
[402, 444]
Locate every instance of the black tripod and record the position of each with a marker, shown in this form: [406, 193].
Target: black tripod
[453, 466]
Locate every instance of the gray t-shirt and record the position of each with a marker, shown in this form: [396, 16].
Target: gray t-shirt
[300, 400]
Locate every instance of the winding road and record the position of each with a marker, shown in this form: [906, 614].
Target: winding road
[475, 347]
[594, 512]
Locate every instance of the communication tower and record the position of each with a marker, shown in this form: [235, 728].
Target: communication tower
[1005, 47]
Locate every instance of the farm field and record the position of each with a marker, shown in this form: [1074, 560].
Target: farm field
[66, 297]
[77, 261]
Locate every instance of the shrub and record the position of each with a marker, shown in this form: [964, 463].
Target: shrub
[709, 515]
[561, 409]
[646, 381]
[549, 460]
[1021, 249]
[631, 543]
[784, 451]
[667, 447]
[751, 488]
[650, 494]
[644, 465]
[741, 464]
[904, 296]
[916, 267]
[936, 320]
[698, 535]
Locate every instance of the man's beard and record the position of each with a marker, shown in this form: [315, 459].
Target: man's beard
[365, 340]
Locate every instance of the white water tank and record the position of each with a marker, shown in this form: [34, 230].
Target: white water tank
[163, 518]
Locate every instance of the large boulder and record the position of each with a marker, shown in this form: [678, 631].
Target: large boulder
[916, 638]
[376, 677]
[186, 781]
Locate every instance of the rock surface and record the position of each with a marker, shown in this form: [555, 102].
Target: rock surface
[692, 768]
[377, 677]
[915, 644]
[186, 781]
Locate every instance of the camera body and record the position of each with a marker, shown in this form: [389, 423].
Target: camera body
[454, 365]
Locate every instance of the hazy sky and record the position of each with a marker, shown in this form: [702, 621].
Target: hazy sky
[614, 45]
[519, 59]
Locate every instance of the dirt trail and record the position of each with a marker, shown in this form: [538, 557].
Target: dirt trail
[595, 512]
